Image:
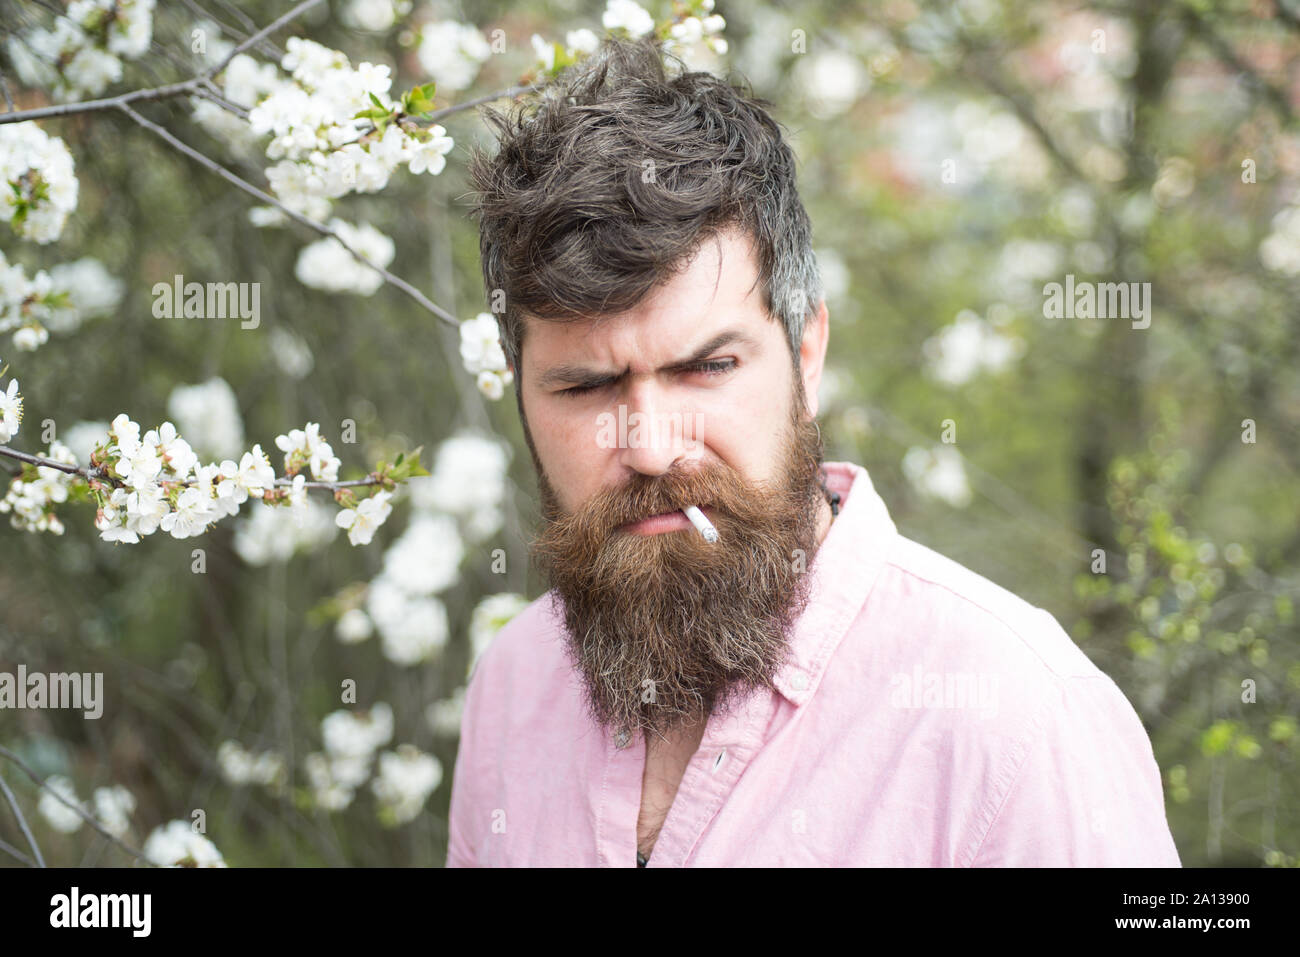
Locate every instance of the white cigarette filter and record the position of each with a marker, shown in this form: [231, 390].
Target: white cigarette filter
[705, 527]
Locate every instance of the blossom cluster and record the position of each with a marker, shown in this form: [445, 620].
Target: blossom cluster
[239, 766]
[460, 501]
[156, 482]
[274, 534]
[31, 497]
[577, 44]
[481, 352]
[406, 778]
[174, 844]
[326, 264]
[692, 29]
[938, 472]
[971, 345]
[57, 300]
[83, 52]
[451, 53]
[335, 130]
[40, 183]
[177, 844]
[163, 486]
[374, 15]
[110, 806]
[350, 741]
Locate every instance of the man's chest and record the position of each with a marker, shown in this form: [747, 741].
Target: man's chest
[666, 762]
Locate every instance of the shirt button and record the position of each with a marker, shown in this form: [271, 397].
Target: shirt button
[622, 738]
[798, 681]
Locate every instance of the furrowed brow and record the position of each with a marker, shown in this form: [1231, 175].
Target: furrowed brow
[714, 344]
[577, 375]
[574, 375]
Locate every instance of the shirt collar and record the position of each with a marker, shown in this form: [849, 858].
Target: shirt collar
[843, 572]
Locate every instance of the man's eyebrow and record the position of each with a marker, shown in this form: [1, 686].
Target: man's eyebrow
[578, 375]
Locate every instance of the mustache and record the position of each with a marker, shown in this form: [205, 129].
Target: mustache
[714, 486]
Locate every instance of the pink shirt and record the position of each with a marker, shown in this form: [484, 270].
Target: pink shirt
[926, 717]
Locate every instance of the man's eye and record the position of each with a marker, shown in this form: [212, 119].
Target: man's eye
[714, 366]
[578, 390]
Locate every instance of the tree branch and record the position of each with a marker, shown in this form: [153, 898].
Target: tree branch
[100, 475]
[6, 753]
[513, 91]
[183, 88]
[297, 217]
[22, 821]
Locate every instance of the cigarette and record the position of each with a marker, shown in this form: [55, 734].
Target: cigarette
[705, 527]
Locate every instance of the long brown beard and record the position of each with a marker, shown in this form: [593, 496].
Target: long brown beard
[668, 628]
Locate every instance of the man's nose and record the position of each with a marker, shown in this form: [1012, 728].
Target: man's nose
[660, 433]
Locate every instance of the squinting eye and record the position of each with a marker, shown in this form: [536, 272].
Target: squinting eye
[578, 390]
[714, 366]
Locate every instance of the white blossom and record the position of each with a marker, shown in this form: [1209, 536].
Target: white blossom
[582, 41]
[113, 809]
[30, 502]
[411, 628]
[938, 472]
[57, 814]
[1280, 249]
[177, 844]
[444, 716]
[81, 54]
[374, 15]
[405, 780]
[469, 473]
[326, 264]
[480, 344]
[969, 346]
[11, 411]
[627, 15]
[240, 766]
[273, 534]
[40, 185]
[426, 557]
[354, 626]
[357, 734]
[490, 615]
[362, 521]
[208, 415]
[451, 53]
[305, 448]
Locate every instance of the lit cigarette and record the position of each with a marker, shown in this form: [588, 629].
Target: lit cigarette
[705, 527]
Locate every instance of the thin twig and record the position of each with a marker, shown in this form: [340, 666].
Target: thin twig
[265, 31]
[98, 474]
[6, 753]
[22, 821]
[167, 91]
[296, 216]
[436, 115]
[16, 854]
[185, 87]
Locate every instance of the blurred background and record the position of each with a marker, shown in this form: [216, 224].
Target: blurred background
[1140, 483]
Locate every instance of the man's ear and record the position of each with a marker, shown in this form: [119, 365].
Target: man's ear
[812, 354]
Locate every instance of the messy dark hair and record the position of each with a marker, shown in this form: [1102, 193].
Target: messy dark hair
[608, 181]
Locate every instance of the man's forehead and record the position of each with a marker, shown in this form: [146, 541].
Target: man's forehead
[717, 291]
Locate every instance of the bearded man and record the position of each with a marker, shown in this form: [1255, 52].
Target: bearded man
[810, 688]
